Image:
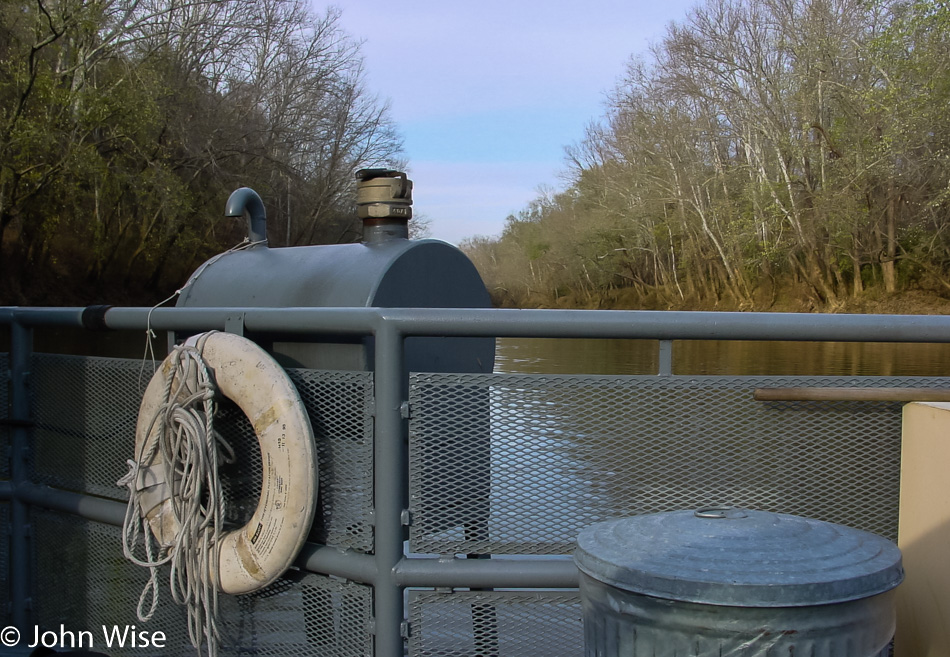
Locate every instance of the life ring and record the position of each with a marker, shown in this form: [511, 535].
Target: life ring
[252, 556]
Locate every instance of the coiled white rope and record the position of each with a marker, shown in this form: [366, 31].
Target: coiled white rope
[182, 432]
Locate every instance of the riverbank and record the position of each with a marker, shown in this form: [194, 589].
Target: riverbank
[910, 302]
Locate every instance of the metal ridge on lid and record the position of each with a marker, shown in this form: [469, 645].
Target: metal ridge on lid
[739, 557]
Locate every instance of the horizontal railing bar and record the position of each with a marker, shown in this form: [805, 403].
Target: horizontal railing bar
[853, 394]
[353, 321]
[356, 321]
[28, 316]
[313, 557]
[348, 564]
[488, 573]
[670, 325]
[473, 322]
[355, 566]
[99, 509]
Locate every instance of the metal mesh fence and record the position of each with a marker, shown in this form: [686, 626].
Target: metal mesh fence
[4, 560]
[4, 474]
[518, 464]
[4, 415]
[340, 406]
[499, 464]
[297, 615]
[86, 410]
[499, 623]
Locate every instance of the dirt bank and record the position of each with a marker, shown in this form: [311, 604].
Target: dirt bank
[911, 302]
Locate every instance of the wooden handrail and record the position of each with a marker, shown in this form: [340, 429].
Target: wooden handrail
[853, 394]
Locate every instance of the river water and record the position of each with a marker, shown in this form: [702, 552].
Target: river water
[600, 356]
[568, 451]
[739, 357]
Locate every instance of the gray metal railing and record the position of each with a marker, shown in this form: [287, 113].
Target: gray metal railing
[389, 569]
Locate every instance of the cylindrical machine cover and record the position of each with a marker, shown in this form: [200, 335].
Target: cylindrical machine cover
[735, 582]
[386, 271]
[391, 273]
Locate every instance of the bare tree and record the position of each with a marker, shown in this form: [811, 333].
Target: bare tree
[125, 123]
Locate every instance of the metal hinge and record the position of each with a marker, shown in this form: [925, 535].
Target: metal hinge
[405, 411]
[406, 517]
[405, 629]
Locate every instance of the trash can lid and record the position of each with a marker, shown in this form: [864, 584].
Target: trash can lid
[739, 557]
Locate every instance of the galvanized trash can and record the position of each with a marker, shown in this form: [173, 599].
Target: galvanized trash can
[735, 582]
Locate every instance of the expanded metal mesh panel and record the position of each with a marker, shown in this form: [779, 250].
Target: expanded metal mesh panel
[85, 559]
[339, 405]
[339, 617]
[4, 560]
[498, 623]
[4, 415]
[305, 615]
[341, 412]
[519, 464]
[4, 473]
[86, 410]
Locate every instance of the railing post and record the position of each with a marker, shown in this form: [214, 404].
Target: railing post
[390, 486]
[666, 358]
[21, 351]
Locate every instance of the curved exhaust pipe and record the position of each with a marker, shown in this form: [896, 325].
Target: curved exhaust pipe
[245, 201]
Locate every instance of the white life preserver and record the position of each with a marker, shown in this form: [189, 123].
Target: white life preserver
[256, 554]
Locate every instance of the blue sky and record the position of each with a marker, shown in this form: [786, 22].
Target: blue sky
[487, 94]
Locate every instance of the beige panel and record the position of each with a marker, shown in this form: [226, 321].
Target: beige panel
[923, 600]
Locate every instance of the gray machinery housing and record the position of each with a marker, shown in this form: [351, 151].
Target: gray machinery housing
[385, 270]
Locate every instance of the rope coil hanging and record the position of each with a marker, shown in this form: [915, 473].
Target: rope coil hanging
[182, 431]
